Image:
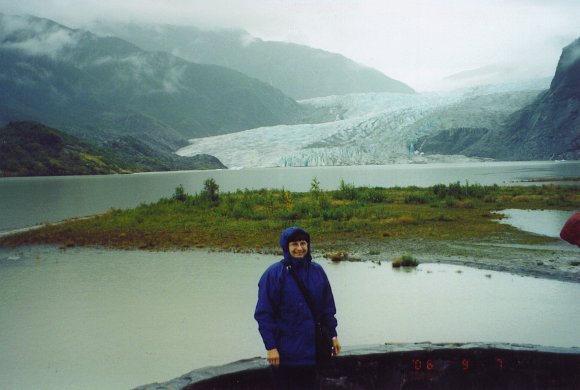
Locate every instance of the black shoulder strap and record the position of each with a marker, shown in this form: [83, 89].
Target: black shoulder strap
[305, 292]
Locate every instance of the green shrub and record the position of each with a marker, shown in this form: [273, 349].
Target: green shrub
[458, 191]
[450, 202]
[211, 190]
[337, 214]
[323, 202]
[405, 261]
[315, 190]
[373, 195]
[417, 199]
[179, 194]
[345, 191]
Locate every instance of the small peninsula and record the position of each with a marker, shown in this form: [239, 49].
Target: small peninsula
[455, 223]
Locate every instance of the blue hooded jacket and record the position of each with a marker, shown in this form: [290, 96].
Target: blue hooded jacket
[284, 319]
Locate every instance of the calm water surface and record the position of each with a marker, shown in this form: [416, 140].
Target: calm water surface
[115, 320]
[104, 319]
[544, 222]
[26, 202]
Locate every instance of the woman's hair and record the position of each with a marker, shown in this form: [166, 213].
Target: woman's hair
[299, 236]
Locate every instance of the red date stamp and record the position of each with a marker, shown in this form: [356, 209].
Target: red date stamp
[465, 364]
[418, 364]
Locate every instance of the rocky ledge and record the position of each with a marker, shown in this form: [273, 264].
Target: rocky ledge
[410, 366]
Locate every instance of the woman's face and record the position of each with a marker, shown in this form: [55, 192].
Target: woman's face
[298, 249]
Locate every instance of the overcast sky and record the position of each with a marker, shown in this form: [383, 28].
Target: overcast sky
[415, 41]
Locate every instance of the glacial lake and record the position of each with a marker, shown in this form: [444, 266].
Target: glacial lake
[26, 202]
[107, 319]
[543, 222]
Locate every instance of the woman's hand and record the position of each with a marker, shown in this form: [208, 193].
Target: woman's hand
[335, 346]
[273, 357]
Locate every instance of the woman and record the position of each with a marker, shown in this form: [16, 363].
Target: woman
[285, 322]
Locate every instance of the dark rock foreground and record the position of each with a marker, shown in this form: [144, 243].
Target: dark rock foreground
[412, 366]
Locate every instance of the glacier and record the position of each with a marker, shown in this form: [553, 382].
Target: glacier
[369, 128]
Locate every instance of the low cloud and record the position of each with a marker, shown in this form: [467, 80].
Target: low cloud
[246, 40]
[417, 42]
[34, 37]
[172, 79]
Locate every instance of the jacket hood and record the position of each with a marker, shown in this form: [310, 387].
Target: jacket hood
[286, 234]
[571, 230]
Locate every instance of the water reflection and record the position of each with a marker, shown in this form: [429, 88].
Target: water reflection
[118, 319]
[543, 222]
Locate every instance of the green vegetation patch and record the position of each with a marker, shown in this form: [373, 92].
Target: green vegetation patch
[32, 149]
[406, 260]
[251, 220]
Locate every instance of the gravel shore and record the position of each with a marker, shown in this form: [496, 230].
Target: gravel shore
[557, 261]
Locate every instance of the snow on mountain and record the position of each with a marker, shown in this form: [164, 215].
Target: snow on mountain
[371, 128]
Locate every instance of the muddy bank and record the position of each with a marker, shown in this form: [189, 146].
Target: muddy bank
[557, 261]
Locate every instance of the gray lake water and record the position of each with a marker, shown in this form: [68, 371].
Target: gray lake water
[544, 222]
[105, 319]
[27, 202]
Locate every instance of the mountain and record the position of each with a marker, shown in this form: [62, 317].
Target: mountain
[496, 74]
[140, 157]
[32, 149]
[100, 88]
[547, 128]
[299, 71]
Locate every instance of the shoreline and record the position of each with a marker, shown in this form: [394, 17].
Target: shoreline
[546, 261]
[453, 224]
[552, 261]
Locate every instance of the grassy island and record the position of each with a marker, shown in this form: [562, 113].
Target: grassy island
[251, 220]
